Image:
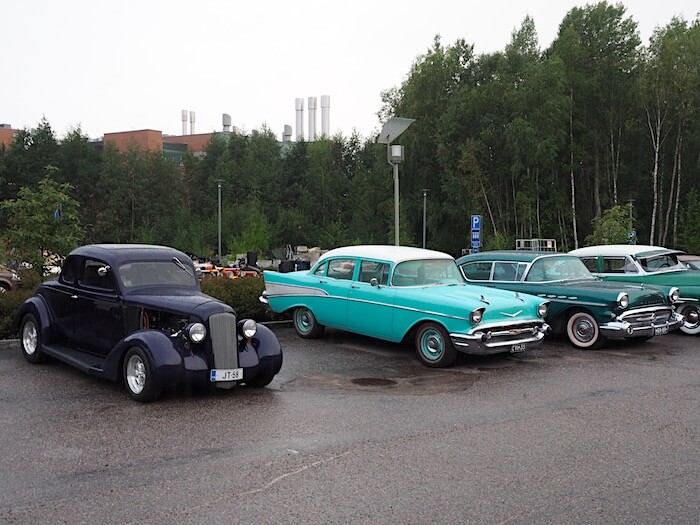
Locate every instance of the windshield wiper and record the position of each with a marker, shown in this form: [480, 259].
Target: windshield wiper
[179, 263]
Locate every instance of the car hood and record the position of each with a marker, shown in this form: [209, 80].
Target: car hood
[609, 290]
[460, 299]
[196, 303]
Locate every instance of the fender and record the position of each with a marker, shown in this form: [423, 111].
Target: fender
[266, 343]
[167, 362]
[37, 306]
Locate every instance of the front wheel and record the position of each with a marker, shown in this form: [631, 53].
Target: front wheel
[434, 347]
[138, 376]
[30, 339]
[306, 325]
[691, 324]
[583, 331]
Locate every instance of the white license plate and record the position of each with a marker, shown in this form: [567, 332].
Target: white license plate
[660, 330]
[517, 348]
[226, 374]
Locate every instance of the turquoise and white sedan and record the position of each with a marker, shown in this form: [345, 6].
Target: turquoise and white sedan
[400, 293]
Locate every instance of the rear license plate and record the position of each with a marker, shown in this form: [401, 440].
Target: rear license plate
[517, 348]
[229, 374]
[660, 330]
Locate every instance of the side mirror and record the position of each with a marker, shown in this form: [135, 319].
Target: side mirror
[374, 282]
[102, 270]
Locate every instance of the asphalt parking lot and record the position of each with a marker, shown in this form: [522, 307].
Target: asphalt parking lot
[354, 430]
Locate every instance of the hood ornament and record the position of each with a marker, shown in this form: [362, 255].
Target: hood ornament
[517, 296]
[483, 300]
[512, 315]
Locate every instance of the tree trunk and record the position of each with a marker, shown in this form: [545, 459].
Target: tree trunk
[678, 190]
[571, 174]
[596, 185]
[674, 175]
[655, 133]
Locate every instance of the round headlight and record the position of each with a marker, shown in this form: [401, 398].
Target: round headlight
[674, 294]
[623, 300]
[196, 332]
[250, 328]
[543, 309]
[476, 316]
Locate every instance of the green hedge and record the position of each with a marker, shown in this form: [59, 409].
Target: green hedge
[9, 304]
[241, 294]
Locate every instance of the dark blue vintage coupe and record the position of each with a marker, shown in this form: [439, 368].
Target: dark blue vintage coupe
[136, 312]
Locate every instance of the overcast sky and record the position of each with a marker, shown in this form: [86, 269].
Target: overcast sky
[135, 64]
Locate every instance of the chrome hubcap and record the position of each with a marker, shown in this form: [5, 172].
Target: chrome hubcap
[431, 345]
[304, 320]
[584, 330]
[29, 338]
[136, 374]
[692, 317]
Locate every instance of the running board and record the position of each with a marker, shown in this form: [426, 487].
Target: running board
[83, 361]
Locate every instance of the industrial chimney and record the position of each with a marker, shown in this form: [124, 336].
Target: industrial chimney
[299, 102]
[325, 116]
[191, 122]
[312, 119]
[226, 122]
[287, 133]
[184, 122]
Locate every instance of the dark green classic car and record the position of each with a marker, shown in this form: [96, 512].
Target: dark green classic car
[588, 310]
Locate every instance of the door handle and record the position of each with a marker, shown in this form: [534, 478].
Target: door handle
[355, 287]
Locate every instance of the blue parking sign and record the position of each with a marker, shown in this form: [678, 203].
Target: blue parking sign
[476, 222]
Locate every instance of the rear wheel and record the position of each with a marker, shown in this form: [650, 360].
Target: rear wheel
[138, 376]
[30, 333]
[691, 324]
[306, 325]
[583, 331]
[434, 347]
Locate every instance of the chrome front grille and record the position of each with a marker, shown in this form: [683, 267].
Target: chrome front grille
[222, 330]
[504, 335]
[647, 316]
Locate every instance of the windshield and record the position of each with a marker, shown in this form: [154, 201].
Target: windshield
[155, 273]
[661, 263]
[427, 271]
[557, 268]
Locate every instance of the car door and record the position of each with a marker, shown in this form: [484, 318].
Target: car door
[96, 323]
[61, 300]
[335, 280]
[371, 307]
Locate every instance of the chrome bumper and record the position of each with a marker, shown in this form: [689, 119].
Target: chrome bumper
[500, 339]
[621, 328]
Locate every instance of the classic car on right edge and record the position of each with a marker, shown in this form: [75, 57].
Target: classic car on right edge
[648, 265]
[588, 310]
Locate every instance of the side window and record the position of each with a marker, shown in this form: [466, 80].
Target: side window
[477, 271]
[377, 270]
[321, 270]
[341, 268]
[97, 274]
[614, 264]
[505, 271]
[591, 263]
[68, 271]
[521, 271]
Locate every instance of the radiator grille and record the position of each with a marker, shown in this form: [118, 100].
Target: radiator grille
[647, 316]
[222, 329]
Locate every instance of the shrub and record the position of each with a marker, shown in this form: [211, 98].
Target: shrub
[240, 294]
[9, 304]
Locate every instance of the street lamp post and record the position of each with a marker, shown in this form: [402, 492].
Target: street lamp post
[394, 155]
[218, 255]
[425, 200]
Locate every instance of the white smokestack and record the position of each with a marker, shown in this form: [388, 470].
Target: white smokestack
[184, 122]
[287, 133]
[299, 102]
[325, 116]
[312, 119]
[226, 122]
[191, 122]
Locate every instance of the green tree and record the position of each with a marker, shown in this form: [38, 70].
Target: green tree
[43, 221]
[612, 226]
